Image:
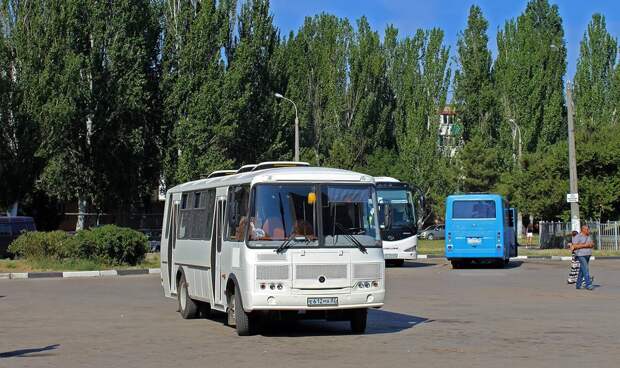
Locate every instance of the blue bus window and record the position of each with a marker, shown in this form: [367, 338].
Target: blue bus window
[476, 209]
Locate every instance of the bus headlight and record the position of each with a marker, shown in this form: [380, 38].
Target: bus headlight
[367, 284]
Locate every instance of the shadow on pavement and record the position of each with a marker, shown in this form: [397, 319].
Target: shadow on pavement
[24, 353]
[414, 264]
[379, 322]
[487, 265]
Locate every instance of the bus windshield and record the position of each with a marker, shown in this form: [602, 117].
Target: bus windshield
[473, 209]
[348, 215]
[282, 212]
[396, 209]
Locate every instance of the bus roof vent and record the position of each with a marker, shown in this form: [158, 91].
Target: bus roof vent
[246, 168]
[277, 164]
[219, 173]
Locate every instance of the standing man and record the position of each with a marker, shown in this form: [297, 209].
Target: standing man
[582, 246]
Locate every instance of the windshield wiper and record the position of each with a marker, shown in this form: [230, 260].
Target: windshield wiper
[351, 238]
[289, 241]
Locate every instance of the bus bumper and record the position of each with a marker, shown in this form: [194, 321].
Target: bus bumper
[370, 299]
[401, 249]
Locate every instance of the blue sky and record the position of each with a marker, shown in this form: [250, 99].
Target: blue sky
[449, 15]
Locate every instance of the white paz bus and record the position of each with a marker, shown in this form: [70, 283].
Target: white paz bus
[278, 237]
[397, 220]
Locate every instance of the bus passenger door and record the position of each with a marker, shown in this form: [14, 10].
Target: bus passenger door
[216, 252]
[513, 223]
[172, 238]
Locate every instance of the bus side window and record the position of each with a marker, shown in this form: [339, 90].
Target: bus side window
[168, 215]
[238, 198]
[185, 218]
[209, 199]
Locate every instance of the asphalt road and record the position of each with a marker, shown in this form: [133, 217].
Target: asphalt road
[522, 316]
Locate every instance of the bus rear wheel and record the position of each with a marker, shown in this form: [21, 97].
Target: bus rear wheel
[457, 264]
[358, 320]
[187, 306]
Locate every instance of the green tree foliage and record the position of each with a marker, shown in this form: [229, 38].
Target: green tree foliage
[594, 104]
[19, 135]
[248, 95]
[316, 78]
[474, 94]
[195, 138]
[530, 65]
[419, 75]
[89, 76]
[480, 166]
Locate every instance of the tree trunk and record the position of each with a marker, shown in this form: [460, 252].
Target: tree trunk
[81, 217]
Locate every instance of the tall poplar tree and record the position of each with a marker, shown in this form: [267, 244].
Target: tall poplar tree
[195, 138]
[593, 96]
[529, 71]
[474, 96]
[89, 76]
[248, 100]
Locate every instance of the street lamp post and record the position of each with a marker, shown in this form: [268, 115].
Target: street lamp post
[516, 131]
[278, 95]
[516, 128]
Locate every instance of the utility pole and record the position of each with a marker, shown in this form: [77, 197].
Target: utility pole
[572, 161]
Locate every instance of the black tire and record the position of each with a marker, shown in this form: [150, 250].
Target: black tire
[456, 264]
[187, 306]
[430, 237]
[399, 262]
[205, 309]
[245, 323]
[358, 320]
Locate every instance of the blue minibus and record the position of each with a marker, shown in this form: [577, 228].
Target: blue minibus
[479, 228]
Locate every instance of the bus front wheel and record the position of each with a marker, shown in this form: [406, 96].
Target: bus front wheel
[244, 322]
[358, 320]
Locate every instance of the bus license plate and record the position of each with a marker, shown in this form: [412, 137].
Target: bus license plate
[474, 241]
[322, 302]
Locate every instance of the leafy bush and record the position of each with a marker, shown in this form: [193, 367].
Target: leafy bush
[40, 245]
[109, 244]
[112, 244]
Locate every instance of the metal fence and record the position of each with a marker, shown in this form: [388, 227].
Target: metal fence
[606, 235]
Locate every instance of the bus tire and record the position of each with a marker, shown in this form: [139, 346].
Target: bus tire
[457, 264]
[399, 262]
[187, 306]
[358, 320]
[205, 309]
[245, 323]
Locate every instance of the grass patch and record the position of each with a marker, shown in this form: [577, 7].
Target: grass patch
[437, 248]
[21, 265]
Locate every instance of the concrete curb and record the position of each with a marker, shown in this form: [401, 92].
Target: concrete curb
[78, 274]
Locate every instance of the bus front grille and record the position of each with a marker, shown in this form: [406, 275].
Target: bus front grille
[314, 271]
[272, 272]
[367, 271]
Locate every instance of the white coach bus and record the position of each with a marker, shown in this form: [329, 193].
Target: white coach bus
[282, 237]
[397, 219]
